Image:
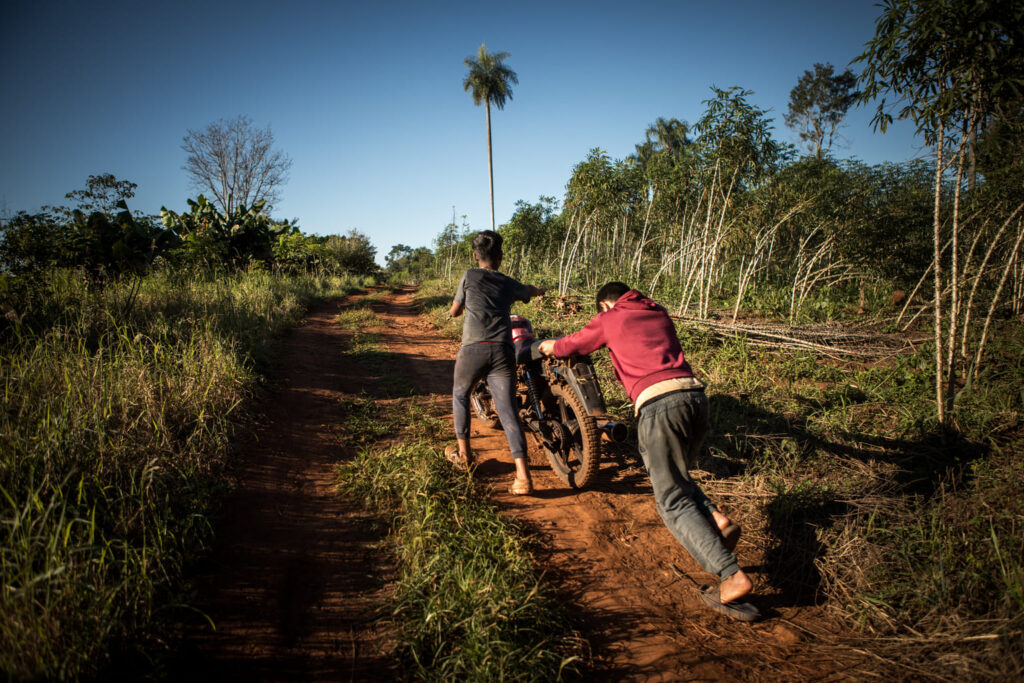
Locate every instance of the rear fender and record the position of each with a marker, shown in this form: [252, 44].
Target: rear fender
[578, 373]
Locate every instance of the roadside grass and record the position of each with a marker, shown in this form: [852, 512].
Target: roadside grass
[117, 421]
[469, 604]
[853, 493]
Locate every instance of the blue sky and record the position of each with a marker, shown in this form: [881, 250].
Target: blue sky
[367, 99]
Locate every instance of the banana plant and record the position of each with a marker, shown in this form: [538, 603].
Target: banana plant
[213, 239]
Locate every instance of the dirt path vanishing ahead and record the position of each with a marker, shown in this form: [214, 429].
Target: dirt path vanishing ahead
[297, 582]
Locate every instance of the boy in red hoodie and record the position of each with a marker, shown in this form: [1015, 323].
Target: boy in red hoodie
[673, 420]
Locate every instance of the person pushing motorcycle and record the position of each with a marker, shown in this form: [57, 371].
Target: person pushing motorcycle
[487, 296]
[673, 421]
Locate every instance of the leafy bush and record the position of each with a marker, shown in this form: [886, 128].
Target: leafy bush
[211, 239]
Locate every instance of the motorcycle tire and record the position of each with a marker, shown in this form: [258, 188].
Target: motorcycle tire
[483, 405]
[575, 463]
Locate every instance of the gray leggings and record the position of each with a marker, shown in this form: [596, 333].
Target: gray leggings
[497, 363]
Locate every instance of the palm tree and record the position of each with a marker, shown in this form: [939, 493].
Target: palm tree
[668, 135]
[489, 80]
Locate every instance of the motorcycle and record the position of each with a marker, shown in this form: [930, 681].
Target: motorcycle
[559, 401]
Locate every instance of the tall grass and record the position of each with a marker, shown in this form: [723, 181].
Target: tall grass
[116, 419]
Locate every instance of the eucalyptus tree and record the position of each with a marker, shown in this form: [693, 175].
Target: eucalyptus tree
[602, 196]
[662, 157]
[818, 105]
[950, 65]
[533, 230]
[736, 152]
[489, 81]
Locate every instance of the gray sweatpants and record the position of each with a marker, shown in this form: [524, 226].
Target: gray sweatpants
[671, 432]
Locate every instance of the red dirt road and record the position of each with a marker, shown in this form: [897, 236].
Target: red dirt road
[293, 586]
[296, 580]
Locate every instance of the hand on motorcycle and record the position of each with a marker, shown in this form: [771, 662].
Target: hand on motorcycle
[547, 347]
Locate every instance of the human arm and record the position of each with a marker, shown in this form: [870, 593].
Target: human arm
[459, 302]
[524, 293]
[585, 341]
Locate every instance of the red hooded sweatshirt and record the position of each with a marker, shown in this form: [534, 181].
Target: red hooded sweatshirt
[641, 338]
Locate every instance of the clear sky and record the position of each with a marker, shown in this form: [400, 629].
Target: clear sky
[366, 97]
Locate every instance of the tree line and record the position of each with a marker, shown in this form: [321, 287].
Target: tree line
[100, 238]
[721, 217]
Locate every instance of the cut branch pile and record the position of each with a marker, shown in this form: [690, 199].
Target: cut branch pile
[827, 340]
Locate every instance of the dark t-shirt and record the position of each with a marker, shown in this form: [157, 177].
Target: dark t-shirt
[488, 296]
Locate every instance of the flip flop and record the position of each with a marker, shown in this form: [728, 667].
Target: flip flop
[521, 487]
[731, 536]
[459, 461]
[743, 611]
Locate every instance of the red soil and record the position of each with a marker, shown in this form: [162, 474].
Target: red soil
[297, 582]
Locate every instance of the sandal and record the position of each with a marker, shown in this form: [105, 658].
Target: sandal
[521, 487]
[458, 460]
[743, 611]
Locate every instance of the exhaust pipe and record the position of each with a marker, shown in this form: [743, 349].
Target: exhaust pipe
[616, 432]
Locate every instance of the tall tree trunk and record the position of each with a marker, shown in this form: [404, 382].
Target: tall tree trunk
[490, 161]
[954, 272]
[937, 244]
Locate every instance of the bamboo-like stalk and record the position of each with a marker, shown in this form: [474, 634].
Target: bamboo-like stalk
[643, 236]
[692, 272]
[571, 261]
[706, 303]
[920, 282]
[800, 265]
[995, 299]
[981, 273]
[561, 252]
[704, 238]
[759, 241]
[964, 276]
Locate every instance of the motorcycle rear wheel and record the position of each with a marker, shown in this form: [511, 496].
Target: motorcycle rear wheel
[575, 462]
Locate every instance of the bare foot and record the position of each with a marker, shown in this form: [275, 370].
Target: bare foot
[729, 530]
[521, 486]
[735, 587]
[464, 449]
[720, 520]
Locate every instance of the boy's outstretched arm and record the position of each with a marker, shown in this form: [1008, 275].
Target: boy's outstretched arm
[587, 340]
[536, 291]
